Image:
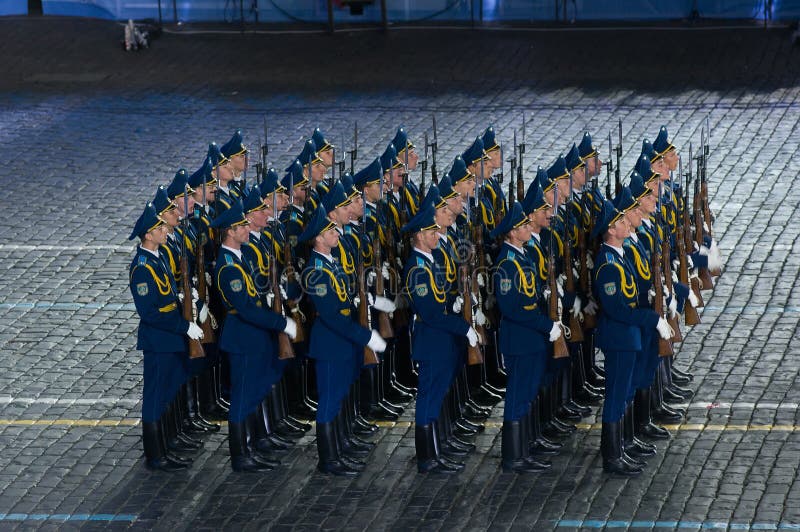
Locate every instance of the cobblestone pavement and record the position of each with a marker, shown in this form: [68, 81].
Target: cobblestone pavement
[88, 133]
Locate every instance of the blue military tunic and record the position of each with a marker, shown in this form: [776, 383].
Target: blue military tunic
[335, 336]
[248, 335]
[524, 328]
[435, 335]
[162, 330]
[619, 328]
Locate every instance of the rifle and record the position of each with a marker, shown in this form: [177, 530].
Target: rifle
[400, 318]
[703, 273]
[260, 163]
[195, 347]
[480, 257]
[474, 353]
[384, 325]
[589, 320]
[265, 148]
[520, 164]
[200, 272]
[497, 205]
[354, 151]
[364, 318]
[560, 349]
[294, 308]
[434, 150]
[666, 254]
[575, 328]
[285, 349]
[513, 161]
[707, 216]
[664, 346]
[617, 181]
[690, 315]
[424, 164]
[609, 166]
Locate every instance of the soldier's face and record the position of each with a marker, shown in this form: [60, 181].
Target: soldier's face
[397, 176]
[356, 208]
[257, 219]
[634, 218]
[465, 187]
[660, 167]
[210, 193]
[327, 157]
[189, 206]
[563, 190]
[494, 161]
[300, 194]
[170, 217]
[413, 159]
[330, 238]
[282, 201]
[241, 233]
[429, 239]
[443, 217]
[579, 177]
[671, 159]
[455, 205]
[225, 172]
[157, 236]
[648, 205]
[238, 163]
[372, 192]
[593, 166]
[317, 172]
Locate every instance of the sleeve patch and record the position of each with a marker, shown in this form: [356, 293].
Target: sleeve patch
[322, 290]
[236, 285]
[421, 290]
[505, 286]
[610, 288]
[142, 289]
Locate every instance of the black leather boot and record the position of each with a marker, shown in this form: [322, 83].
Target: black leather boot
[539, 445]
[283, 394]
[380, 392]
[370, 406]
[551, 428]
[582, 389]
[255, 432]
[428, 460]
[155, 457]
[278, 417]
[512, 449]
[264, 441]
[568, 403]
[678, 376]
[241, 460]
[611, 451]
[193, 407]
[632, 446]
[361, 426]
[209, 406]
[447, 448]
[392, 392]
[527, 431]
[661, 411]
[351, 445]
[644, 425]
[296, 392]
[177, 441]
[327, 446]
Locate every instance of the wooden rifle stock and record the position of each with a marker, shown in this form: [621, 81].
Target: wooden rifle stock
[666, 253]
[285, 349]
[575, 328]
[690, 315]
[294, 308]
[202, 288]
[560, 349]
[702, 273]
[664, 346]
[370, 357]
[589, 320]
[474, 353]
[195, 347]
[385, 328]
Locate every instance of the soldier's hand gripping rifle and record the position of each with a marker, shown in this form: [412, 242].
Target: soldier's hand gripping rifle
[200, 273]
[690, 315]
[285, 349]
[195, 347]
[575, 326]
[664, 346]
[290, 274]
[474, 353]
[364, 318]
[384, 325]
[688, 237]
[560, 349]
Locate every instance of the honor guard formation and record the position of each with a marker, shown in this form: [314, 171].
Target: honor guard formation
[340, 295]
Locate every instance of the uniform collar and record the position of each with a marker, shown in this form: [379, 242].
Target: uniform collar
[424, 254]
[620, 251]
[154, 253]
[237, 252]
[256, 234]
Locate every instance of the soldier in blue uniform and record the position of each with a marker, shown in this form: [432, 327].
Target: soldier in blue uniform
[161, 336]
[221, 169]
[335, 337]
[492, 186]
[236, 152]
[314, 170]
[618, 332]
[324, 148]
[436, 332]
[525, 334]
[248, 337]
[408, 156]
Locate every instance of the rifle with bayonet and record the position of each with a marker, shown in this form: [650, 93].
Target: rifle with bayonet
[424, 166]
[690, 315]
[285, 349]
[609, 167]
[589, 320]
[384, 325]
[697, 211]
[560, 349]
[512, 189]
[195, 347]
[708, 217]
[290, 273]
[575, 327]
[520, 163]
[200, 273]
[664, 346]
[617, 170]
[434, 151]
[474, 353]
[666, 258]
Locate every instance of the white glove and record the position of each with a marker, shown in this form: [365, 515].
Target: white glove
[673, 308]
[356, 301]
[481, 280]
[371, 276]
[376, 343]
[291, 328]
[666, 290]
[714, 260]
[270, 297]
[693, 299]
[399, 262]
[576, 308]
[555, 332]
[458, 304]
[676, 265]
[651, 295]
[195, 295]
[664, 329]
[589, 262]
[560, 284]
[385, 271]
[194, 332]
[689, 262]
[703, 251]
[705, 226]
[591, 308]
[283, 292]
[382, 304]
[480, 317]
[208, 279]
[472, 337]
[546, 293]
[203, 316]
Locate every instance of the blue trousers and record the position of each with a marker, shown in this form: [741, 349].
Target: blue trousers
[524, 375]
[159, 382]
[619, 371]
[435, 377]
[249, 372]
[333, 382]
[650, 360]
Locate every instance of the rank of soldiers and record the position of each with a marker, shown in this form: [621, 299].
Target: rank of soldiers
[276, 300]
